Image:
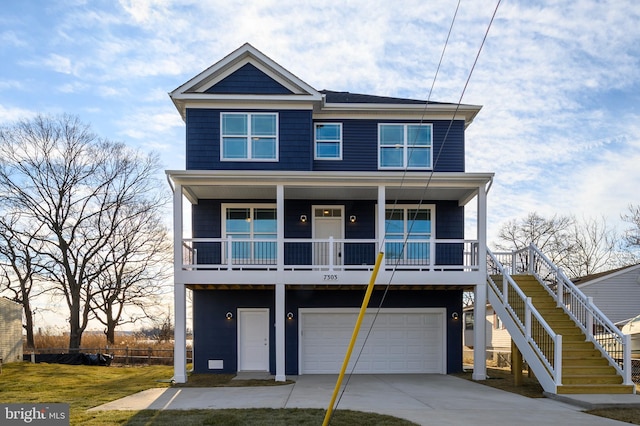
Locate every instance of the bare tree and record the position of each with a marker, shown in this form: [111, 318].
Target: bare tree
[632, 234]
[551, 236]
[139, 263]
[19, 267]
[72, 185]
[594, 248]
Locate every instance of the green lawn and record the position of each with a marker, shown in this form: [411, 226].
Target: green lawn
[84, 387]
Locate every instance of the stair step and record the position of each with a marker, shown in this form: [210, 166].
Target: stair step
[577, 370]
[594, 361]
[591, 379]
[595, 389]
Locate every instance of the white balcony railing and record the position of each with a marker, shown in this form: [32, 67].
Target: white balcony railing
[327, 254]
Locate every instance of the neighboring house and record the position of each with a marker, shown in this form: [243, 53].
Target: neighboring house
[497, 336]
[616, 293]
[10, 330]
[292, 193]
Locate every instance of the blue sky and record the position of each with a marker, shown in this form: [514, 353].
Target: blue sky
[559, 81]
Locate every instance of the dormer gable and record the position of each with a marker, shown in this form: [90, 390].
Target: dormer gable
[245, 75]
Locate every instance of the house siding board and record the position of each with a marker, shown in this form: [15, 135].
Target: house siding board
[617, 297]
[215, 337]
[249, 80]
[203, 141]
[10, 331]
[360, 145]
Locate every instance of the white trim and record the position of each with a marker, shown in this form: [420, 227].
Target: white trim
[239, 313]
[315, 142]
[225, 206]
[442, 311]
[327, 206]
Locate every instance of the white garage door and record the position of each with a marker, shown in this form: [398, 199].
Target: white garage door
[401, 341]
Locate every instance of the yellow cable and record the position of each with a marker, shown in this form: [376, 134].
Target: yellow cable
[354, 336]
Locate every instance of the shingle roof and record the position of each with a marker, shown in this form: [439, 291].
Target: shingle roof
[591, 277]
[357, 98]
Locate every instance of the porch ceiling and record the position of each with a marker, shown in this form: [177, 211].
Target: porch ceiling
[329, 185]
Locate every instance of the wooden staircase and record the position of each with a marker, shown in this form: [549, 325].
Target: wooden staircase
[584, 369]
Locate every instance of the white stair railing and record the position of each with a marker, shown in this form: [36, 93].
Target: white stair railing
[539, 344]
[609, 339]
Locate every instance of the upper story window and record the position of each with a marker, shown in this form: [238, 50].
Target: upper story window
[328, 140]
[405, 146]
[249, 136]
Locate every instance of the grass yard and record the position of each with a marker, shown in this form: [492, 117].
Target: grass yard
[84, 387]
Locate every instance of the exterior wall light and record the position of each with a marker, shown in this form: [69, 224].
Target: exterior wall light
[229, 315]
[290, 316]
[455, 316]
[352, 218]
[303, 218]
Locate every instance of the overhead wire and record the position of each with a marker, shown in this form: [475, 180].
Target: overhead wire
[430, 177]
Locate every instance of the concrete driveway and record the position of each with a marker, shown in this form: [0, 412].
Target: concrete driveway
[423, 399]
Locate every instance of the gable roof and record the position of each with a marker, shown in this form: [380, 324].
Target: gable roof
[247, 75]
[594, 278]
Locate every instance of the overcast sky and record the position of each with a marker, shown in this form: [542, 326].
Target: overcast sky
[559, 81]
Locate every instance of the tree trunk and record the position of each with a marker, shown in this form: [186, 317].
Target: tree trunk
[75, 332]
[111, 332]
[28, 315]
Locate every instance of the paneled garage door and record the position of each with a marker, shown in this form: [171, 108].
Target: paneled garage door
[401, 341]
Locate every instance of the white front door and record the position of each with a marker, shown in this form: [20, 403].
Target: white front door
[253, 339]
[328, 222]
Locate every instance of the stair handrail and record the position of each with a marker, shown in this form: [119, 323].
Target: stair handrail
[609, 339]
[551, 357]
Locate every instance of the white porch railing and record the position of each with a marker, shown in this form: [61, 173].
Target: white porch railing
[539, 344]
[614, 345]
[328, 254]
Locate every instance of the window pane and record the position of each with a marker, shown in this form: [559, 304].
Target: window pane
[234, 124]
[418, 135]
[392, 135]
[419, 157]
[264, 221]
[328, 150]
[263, 148]
[328, 132]
[391, 157]
[238, 221]
[234, 148]
[263, 124]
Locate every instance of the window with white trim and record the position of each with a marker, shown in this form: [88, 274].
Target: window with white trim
[253, 231]
[328, 141]
[405, 146]
[248, 136]
[408, 230]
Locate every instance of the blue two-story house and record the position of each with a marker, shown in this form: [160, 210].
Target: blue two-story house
[287, 197]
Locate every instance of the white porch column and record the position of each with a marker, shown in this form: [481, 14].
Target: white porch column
[280, 290]
[382, 205]
[179, 294]
[480, 296]
[280, 343]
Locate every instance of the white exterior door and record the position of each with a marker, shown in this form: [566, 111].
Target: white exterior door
[253, 339]
[401, 341]
[327, 223]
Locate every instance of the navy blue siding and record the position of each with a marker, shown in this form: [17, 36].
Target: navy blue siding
[203, 142]
[360, 146]
[215, 337]
[249, 80]
[207, 222]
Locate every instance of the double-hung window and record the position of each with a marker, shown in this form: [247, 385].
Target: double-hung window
[252, 231]
[408, 230]
[328, 141]
[249, 136]
[405, 146]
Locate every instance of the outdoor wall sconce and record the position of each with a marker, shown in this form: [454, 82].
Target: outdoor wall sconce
[454, 316]
[290, 316]
[352, 218]
[229, 315]
[303, 218]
